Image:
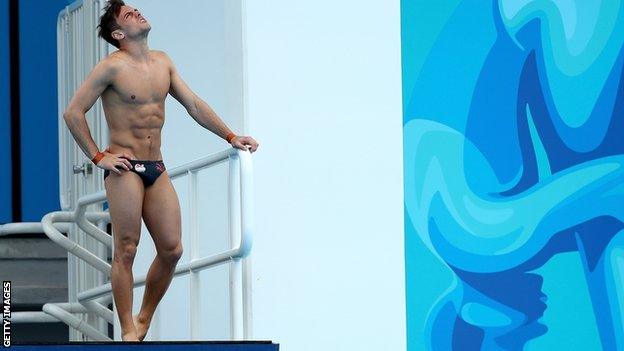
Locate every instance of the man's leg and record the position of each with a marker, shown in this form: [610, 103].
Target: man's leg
[161, 214]
[125, 198]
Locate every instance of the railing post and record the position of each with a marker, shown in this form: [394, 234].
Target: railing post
[236, 273]
[195, 301]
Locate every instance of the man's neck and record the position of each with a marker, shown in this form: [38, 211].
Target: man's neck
[137, 50]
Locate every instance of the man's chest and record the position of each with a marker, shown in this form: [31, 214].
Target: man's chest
[142, 86]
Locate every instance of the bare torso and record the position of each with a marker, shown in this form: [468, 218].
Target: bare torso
[134, 105]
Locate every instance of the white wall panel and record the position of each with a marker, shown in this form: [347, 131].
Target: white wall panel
[325, 104]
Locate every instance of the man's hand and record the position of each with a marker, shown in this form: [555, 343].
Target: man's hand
[112, 161]
[244, 143]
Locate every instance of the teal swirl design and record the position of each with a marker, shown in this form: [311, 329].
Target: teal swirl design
[513, 158]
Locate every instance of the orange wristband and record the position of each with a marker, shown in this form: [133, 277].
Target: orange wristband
[229, 137]
[97, 157]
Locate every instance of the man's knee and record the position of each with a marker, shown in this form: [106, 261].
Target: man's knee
[171, 255]
[125, 254]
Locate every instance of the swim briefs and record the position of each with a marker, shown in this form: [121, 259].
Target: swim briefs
[148, 170]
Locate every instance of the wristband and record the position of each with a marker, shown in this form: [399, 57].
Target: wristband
[97, 157]
[229, 137]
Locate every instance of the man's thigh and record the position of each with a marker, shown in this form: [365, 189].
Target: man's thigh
[161, 213]
[124, 194]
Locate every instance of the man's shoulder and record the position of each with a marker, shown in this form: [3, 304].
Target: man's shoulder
[112, 62]
[113, 56]
[161, 54]
[107, 68]
[162, 57]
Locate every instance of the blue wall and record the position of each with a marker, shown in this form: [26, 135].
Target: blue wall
[6, 212]
[39, 113]
[38, 110]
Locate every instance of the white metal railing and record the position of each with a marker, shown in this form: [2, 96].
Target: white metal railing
[95, 300]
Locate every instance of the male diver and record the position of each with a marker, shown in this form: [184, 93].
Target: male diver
[133, 83]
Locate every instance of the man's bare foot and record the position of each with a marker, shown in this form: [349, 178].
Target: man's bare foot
[141, 326]
[129, 336]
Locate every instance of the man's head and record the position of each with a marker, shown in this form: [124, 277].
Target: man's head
[121, 22]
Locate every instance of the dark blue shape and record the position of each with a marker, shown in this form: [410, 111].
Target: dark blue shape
[595, 235]
[466, 336]
[525, 296]
[39, 107]
[443, 329]
[494, 104]
[515, 341]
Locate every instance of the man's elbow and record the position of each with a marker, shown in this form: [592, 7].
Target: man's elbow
[70, 114]
[192, 109]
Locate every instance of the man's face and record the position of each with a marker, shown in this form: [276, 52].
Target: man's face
[131, 21]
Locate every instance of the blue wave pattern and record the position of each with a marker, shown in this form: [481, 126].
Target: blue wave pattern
[513, 154]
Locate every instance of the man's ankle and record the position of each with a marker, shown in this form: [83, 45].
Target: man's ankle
[142, 319]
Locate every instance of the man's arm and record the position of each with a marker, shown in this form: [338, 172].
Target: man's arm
[82, 101]
[194, 105]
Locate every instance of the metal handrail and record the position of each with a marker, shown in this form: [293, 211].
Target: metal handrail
[52, 224]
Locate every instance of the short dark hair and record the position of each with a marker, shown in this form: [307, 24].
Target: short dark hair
[108, 21]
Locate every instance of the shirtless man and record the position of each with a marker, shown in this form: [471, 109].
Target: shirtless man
[133, 83]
